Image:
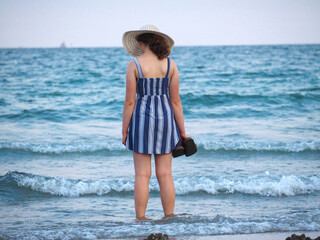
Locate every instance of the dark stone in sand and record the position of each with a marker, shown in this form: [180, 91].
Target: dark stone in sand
[157, 236]
[301, 237]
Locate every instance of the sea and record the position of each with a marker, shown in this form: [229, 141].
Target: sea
[253, 111]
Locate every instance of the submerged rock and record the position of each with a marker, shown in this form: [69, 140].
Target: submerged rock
[157, 236]
[301, 237]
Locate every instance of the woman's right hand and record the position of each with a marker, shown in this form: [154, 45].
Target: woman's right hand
[124, 138]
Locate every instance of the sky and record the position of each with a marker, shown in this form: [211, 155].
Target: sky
[101, 23]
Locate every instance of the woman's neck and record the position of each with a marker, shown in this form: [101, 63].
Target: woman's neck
[148, 53]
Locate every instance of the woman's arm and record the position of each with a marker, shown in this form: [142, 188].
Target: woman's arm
[175, 99]
[129, 101]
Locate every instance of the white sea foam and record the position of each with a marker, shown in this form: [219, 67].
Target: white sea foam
[71, 187]
[264, 185]
[181, 226]
[204, 144]
[298, 146]
[59, 148]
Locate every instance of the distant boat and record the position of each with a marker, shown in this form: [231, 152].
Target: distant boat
[63, 45]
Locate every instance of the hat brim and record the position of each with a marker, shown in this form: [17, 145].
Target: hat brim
[131, 45]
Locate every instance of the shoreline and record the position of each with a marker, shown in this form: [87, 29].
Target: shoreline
[245, 236]
[252, 236]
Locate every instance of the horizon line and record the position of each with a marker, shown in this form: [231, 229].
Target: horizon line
[187, 45]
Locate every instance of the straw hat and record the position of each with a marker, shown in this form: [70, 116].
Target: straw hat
[131, 45]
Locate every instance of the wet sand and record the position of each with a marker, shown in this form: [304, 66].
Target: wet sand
[254, 236]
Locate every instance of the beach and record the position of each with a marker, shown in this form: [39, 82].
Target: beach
[253, 112]
[254, 236]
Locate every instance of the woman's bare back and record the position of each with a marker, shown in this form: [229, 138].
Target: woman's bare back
[152, 67]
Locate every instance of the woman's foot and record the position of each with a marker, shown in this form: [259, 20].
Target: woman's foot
[169, 216]
[141, 219]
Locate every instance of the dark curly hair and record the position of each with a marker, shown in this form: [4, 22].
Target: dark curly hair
[157, 44]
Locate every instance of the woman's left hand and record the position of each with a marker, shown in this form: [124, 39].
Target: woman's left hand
[183, 136]
[124, 138]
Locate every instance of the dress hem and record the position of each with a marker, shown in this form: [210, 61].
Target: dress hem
[153, 152]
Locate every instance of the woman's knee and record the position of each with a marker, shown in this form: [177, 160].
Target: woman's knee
[163, 166]
[142, 165]
[143, 174]
[163, 173]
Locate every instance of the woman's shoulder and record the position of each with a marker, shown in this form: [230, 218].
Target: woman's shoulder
[131, 64]
[132, 67]
[173, 64]
[172, 61]
[173, 68]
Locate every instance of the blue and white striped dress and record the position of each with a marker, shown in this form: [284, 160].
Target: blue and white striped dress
[152, 129]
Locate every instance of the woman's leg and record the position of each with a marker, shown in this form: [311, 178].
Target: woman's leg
[164, 176]
[142, 167]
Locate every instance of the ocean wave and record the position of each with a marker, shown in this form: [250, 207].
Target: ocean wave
[183, 225]
[60, 148]
[60, 115]
[225, 97]
[204, 145]
[298, 146]
[263, 185]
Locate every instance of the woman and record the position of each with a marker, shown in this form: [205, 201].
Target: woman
[152, 121]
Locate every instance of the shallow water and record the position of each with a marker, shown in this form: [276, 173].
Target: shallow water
[252, 110]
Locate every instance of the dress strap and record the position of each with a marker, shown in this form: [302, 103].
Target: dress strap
[168, 67]
[138, 66]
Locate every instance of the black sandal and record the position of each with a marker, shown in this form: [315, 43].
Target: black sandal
[178, 151]
[188, 148]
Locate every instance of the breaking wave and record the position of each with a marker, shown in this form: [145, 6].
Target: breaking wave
[112, 144]
[263, 185]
